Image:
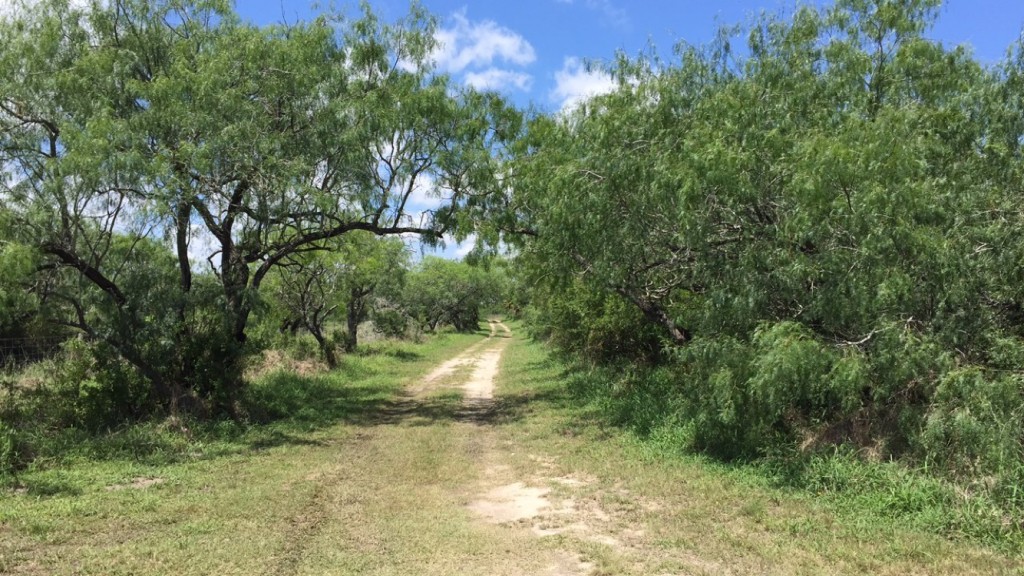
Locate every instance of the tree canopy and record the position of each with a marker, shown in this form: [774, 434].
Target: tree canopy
[813, 231]
[136, 122]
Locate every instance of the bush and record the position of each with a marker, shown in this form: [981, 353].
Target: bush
[601, 327]
[12, 451]
[390, 323]
[974, 422]
[302, 347]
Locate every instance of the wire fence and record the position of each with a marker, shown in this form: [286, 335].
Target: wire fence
[18, 352]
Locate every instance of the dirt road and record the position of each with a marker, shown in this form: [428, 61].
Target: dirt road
[524, 507]
[465, 455]
[437, 487]
[475, 472]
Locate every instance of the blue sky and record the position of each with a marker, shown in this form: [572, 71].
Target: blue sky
[533, 50]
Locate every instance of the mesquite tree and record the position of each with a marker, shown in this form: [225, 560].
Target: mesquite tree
[237, 146]
[441, 292]
[820, 229]
[311, 290]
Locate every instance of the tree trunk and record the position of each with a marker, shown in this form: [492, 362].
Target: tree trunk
[356, 312]
[235, 280]
[326, 348]
[352, 321]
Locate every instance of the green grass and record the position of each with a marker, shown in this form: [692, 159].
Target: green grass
[700, 515]
[218, 482]
[342, 473]
[869, 493]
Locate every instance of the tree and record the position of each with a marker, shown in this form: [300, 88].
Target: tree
[809, 226]
[443, 292]
[151, 119]
[19, 307]
[374, 266]
[312, 287]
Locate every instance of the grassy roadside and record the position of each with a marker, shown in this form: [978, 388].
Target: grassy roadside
[358, 479]
[686, 514]
[214, 499]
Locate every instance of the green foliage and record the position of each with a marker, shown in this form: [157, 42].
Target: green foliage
[820, 236]
[354, 277]
[17, 261]
[132, 133]
[869, 493]
[58, 413]
[389, 322]
[442, 292]
[974, 423]
[590, 322]
[892, 492]
[85, 387]
[11, 458]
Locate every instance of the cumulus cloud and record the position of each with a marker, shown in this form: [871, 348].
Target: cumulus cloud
[466, 44]
[575, 84]
[484, 54]
[497, 79]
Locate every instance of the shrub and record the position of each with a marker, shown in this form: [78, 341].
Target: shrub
[11, 451]
[390, 323]
[974, 422]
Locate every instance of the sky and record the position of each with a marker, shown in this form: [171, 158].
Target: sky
[533, 50]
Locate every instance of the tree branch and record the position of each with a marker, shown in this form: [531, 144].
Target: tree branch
[93, 274]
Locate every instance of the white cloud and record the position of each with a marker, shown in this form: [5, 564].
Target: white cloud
[479, 44]
[462, 249]
[497, 79]
[484, 53]
[575, 84]
[424, 195]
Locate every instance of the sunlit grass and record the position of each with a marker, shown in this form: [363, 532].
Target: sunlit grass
[703, 516]
[220, 490]
[342, 473]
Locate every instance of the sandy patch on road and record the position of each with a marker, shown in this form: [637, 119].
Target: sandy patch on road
[511, 503]
[480, 385]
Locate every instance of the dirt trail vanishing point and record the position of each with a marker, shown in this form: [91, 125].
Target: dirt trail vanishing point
[524, 507]
[440, 466]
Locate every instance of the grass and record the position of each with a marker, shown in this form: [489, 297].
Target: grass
[697, 515]
[346, 475]
[224, 490]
